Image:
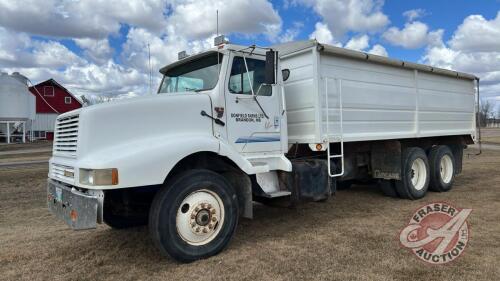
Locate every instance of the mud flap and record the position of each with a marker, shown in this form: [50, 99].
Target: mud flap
[309, 180]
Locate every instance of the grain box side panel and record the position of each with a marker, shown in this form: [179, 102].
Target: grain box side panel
[446, 105]
[300, 95]
[379, 101]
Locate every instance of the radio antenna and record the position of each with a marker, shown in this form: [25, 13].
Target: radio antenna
[150, 71]
[217, 31]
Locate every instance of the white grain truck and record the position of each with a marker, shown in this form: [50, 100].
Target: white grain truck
[237, 124]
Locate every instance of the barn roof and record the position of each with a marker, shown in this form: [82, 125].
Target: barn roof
[54, 82]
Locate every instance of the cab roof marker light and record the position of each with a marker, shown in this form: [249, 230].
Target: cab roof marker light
[220, 40]
[182, 55]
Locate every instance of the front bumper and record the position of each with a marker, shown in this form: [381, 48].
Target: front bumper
[80, 210]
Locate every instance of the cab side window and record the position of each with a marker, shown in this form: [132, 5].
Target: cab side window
[239, 82]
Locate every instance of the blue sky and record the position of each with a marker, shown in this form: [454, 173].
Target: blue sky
[100, 47]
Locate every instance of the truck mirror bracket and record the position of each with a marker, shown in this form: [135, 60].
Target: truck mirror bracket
[216, 120]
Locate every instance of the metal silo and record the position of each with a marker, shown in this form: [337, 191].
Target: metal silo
[17, 106]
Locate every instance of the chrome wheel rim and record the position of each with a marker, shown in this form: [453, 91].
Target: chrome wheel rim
[418, 174]
[200, 217]
[446, 169]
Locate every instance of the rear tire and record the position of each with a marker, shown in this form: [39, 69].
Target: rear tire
[194, 216]
[415, 174]
[442, 168]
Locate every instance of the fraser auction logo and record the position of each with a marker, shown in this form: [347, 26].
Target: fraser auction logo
[437, 233]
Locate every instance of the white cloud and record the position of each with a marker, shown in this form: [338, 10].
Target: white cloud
[435, 38]
[53, 54]
[169, 26]
[97, 19]
[477, 34]
[10, 42]
[413, 35]
[414, 14]
[378, 50]
[197, 19]
[164, 49]
[17, 49]
[358, 43]
[97, 50]
[323, 34]
[291, 33]
[342, 16]
[109, 79]
[470, 52]
[80, 19]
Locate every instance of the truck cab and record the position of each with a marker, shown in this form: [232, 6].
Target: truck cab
[218, 117]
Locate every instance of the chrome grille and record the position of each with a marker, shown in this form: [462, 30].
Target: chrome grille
[66, 135]
[62, 172]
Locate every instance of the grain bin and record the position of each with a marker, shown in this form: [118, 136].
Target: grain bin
[16, 101]
[17, 105]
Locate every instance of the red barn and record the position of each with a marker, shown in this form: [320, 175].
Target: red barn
[52, 99]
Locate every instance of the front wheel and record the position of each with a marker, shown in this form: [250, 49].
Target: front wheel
[194, 216]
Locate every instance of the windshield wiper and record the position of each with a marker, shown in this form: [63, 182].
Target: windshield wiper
[199, 90]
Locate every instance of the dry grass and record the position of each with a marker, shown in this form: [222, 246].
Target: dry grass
[22, 146]
[352, 237]
[490, 135]
[25, 157]
[494, 140]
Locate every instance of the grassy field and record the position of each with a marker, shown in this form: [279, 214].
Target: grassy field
[24, 146]
[351, 237]
[490, 135]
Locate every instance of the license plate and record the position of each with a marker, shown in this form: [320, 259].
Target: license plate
[58, 194]
[77, 209]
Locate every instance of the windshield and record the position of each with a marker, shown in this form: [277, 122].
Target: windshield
[197, 75]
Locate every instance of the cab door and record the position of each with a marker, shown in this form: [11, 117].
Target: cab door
[254, 122]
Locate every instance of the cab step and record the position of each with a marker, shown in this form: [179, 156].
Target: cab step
[281, 193]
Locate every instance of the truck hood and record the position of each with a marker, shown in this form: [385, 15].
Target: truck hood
[141, 120]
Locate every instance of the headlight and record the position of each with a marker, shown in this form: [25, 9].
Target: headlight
[99, 176]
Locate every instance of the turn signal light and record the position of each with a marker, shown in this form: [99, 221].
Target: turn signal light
[99, 176]
[114, 176]
[73, 215]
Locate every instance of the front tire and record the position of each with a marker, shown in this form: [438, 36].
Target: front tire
[415, 174]
[442, 166]
[194, 216]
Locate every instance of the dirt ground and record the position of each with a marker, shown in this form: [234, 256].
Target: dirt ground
[351, 237]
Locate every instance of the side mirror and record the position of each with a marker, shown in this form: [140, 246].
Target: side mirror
[270, 71]
[285, 73]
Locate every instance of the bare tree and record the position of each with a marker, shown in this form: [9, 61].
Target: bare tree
[91, 100]
[485, 111]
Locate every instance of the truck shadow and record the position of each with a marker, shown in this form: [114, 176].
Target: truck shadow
[133, 246]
